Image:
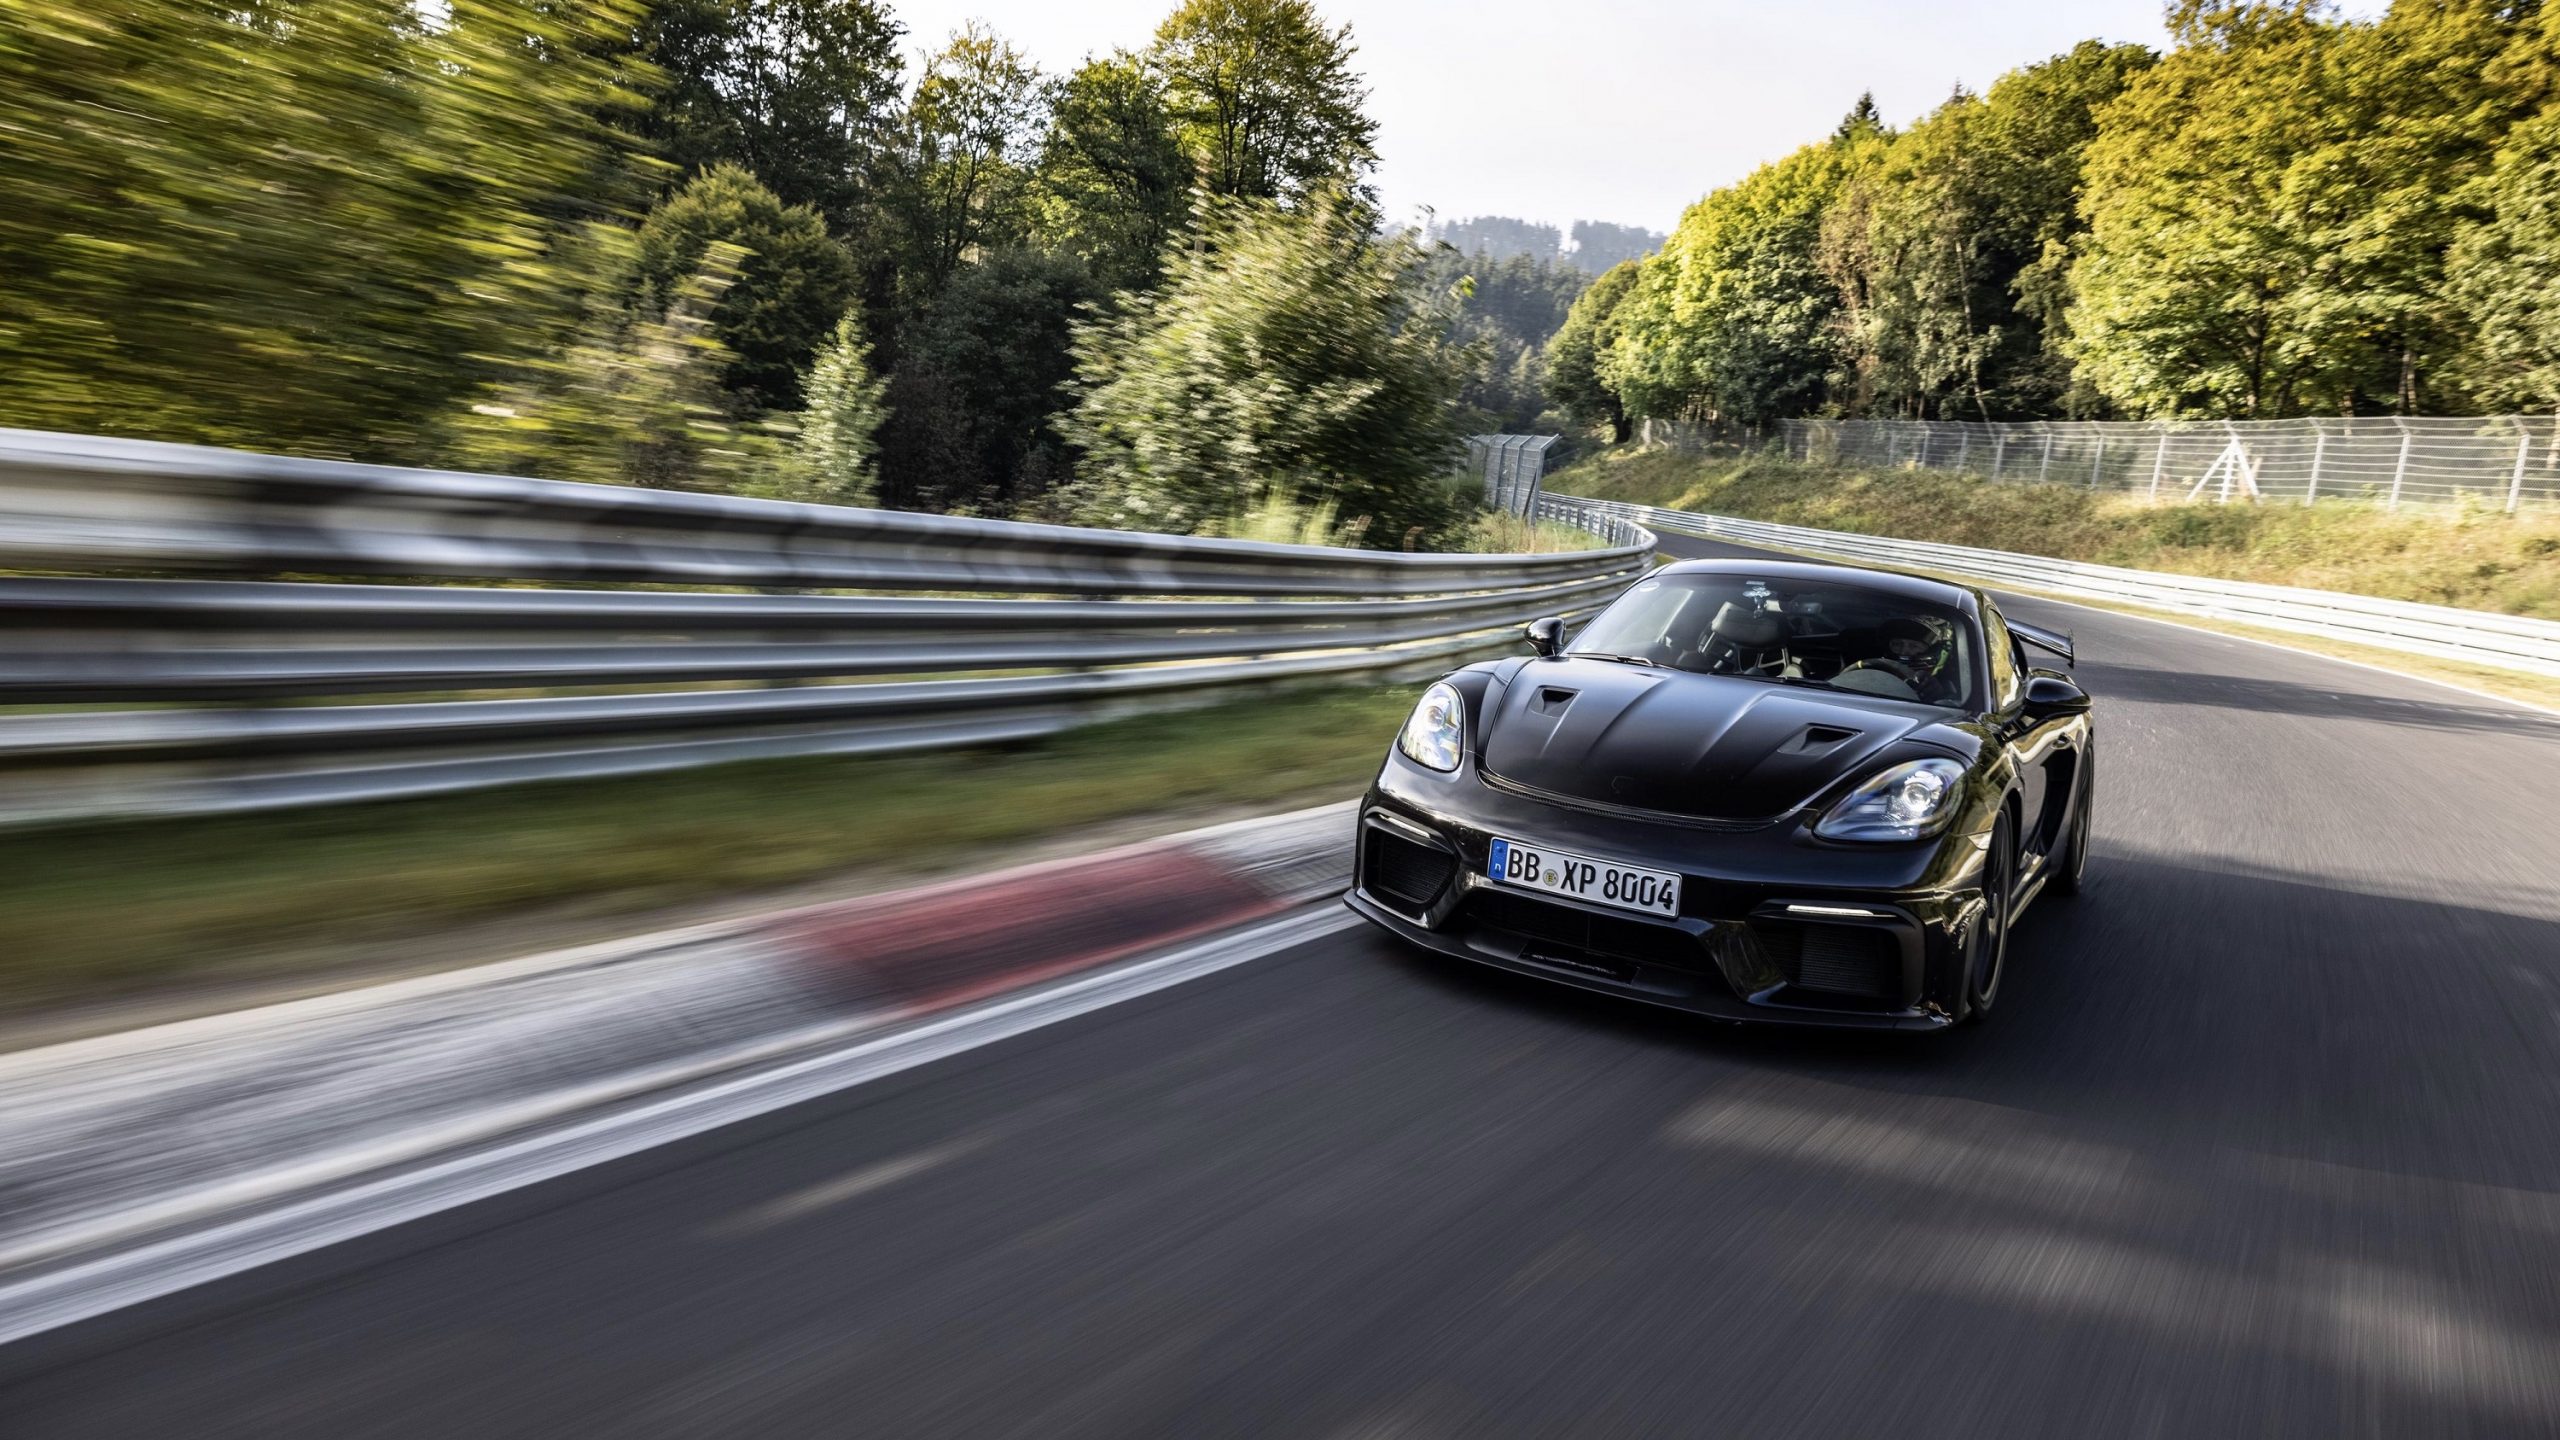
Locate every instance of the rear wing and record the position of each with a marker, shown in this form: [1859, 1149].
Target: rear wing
[2043, 639]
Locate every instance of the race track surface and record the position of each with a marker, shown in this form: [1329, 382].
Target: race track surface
[2265, 1139]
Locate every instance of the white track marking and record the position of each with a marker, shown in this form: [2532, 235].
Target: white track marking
[48, 1300]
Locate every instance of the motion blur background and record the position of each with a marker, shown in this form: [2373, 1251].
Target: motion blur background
[1019, 293]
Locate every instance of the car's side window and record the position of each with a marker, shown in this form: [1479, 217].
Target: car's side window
[2004, 659]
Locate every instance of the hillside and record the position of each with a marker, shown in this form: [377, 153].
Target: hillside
[2473, 557]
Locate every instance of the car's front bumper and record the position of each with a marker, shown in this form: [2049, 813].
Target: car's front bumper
[1772, 928]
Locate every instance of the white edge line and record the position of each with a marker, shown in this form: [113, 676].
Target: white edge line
[113, 1282]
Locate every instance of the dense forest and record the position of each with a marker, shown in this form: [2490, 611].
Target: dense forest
[2289, 213]
[747, 246]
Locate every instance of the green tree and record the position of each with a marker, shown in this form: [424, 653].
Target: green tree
[1951, 251]
[634, 400]
[1510, 308]
[792, 283]
[1113, 182]
[307, 225]
[803, 93]
[1264, 98]
[2270, 208]
[973, 128]
[833, 457]
[1735, 319]
[981, 377]
[1293, 352]
[2503, 271]
[1574, 375]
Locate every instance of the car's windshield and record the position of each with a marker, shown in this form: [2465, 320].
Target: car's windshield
[1843, 636]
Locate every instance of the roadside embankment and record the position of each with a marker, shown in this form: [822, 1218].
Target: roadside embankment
[2478, 558]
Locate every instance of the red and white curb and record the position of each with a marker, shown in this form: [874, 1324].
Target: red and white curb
[144, 1162]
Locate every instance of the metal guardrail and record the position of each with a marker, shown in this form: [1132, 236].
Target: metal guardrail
[2479, 637]
[2505, 461]
[269, 691]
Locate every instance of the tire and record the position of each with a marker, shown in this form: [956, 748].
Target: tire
[1986, 950]
[2071, 878]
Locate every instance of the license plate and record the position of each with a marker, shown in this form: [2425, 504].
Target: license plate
[1579, 877]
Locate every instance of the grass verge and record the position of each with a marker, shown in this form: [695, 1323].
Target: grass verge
[2476, 557]
[91, 910]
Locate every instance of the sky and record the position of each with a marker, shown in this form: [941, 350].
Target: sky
[1618, 110]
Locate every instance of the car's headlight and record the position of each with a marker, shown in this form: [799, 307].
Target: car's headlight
[1437, 732]
[1907, 802]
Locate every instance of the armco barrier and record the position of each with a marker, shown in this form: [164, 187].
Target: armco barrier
[2507, 642]
[251, 677]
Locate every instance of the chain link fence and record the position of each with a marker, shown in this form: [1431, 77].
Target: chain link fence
[2505, 461]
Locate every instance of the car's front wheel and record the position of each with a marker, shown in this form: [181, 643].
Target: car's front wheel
[1986, 950]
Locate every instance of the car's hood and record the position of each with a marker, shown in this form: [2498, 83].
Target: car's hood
[1706, 746]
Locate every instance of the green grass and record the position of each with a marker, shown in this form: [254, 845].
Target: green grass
[99, 908]
[2472, 556]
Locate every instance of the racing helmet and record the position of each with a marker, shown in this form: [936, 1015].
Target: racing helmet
[1919, 641]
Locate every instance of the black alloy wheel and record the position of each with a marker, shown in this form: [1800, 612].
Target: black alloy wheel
[1986, 950]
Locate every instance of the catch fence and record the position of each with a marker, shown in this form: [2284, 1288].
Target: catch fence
[2505, 461]
[1513, 467]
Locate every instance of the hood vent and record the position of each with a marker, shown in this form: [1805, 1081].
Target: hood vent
[1551, 700]
[1818, 738]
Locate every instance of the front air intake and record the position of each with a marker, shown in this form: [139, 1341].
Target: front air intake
[1405, 872]
[1847, 960]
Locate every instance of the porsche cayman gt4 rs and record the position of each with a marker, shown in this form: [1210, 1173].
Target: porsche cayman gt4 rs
[1755, 790]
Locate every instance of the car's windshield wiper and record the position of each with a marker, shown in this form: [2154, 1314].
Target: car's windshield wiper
[1621, 659]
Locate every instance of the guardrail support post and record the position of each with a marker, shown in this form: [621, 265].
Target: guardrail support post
[2400, 471]
[2515, 482]
[2319, 451]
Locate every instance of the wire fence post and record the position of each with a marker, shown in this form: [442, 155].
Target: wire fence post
[2098, 459]
[2515, 481]
[2044, 471]
[1964, 446]
[1999, 449]
[2159, 461]
[2399, 471]
[2319, 451]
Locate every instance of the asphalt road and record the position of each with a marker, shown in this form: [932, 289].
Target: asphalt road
[2265, 1139]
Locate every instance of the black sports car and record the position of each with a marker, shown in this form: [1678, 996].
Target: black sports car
[1760, 791]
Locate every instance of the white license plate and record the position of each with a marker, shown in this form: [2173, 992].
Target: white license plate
[1579, 877]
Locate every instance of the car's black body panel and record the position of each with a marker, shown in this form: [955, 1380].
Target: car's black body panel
[1721, 779]
[1707, 746]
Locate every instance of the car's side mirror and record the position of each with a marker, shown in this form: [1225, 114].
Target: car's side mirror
[2052, 694]
[1546, 634]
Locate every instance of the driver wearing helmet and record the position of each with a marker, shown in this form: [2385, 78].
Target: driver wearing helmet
[1921, 648]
